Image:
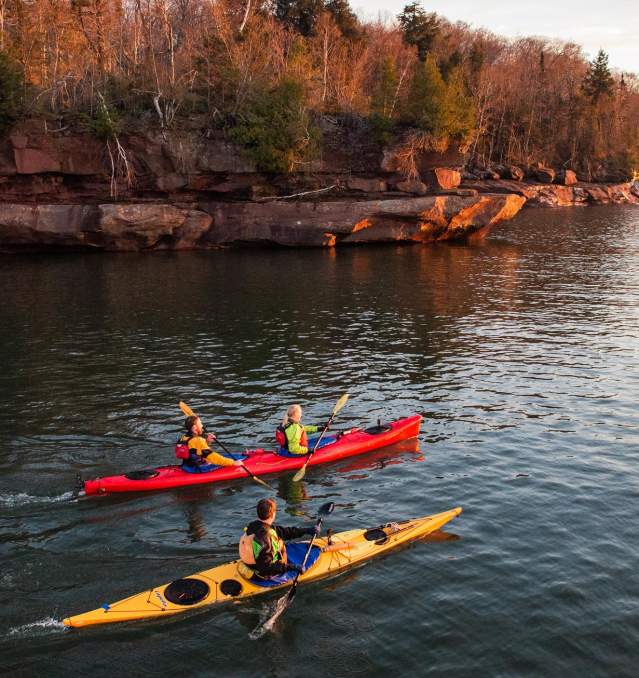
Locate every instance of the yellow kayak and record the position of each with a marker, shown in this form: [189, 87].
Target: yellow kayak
[226, 582]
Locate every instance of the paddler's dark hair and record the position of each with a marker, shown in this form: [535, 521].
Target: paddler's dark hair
[189, 421]
[266, 508]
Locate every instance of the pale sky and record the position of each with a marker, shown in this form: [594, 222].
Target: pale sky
[593, 24]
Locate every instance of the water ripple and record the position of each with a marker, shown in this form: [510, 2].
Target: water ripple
[521, 353]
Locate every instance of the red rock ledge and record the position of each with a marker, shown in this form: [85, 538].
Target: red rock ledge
[151, 226]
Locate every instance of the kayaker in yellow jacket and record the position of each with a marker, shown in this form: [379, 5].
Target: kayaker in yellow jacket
[291, 434]
[262, 547]
[197, 442]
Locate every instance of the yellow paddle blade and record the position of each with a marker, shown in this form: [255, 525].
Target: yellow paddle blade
[340, 403]
[261, 482]
[186, 409]
[300, 474]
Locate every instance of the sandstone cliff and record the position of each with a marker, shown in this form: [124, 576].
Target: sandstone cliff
[191, 189]
[148, 226]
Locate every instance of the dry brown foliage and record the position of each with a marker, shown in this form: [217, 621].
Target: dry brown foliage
[159, 60]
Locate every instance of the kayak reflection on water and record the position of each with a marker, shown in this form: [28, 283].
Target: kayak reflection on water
[380, 459]
[196, 524]
[295, 494]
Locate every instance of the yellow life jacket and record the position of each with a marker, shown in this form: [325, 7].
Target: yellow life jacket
[198, 445]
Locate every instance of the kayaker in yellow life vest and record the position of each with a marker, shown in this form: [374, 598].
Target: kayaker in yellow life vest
[262, 547]
[197, 443]
[291, 434]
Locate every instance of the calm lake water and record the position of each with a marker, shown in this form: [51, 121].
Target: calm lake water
[522, 355]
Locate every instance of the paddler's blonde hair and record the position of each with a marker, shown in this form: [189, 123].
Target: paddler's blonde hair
[292, 409]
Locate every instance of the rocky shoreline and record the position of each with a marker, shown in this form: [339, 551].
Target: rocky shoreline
[555, 195]
[189, 190]
[148, 226]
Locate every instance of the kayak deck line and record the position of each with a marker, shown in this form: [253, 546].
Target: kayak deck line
[259, 462]
[225, 582]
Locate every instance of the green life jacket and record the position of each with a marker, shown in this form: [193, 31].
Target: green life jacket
[275, 546]
[250, 548]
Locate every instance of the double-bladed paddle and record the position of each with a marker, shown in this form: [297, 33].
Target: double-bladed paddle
[189, 413]
[285, 601]
[338, 406]
[324, 510]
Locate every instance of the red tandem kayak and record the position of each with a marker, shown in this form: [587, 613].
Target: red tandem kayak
[260, 462]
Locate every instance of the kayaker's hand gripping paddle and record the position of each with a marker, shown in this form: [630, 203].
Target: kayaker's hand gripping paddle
[285, 601]
[338, 406]
[186, 410]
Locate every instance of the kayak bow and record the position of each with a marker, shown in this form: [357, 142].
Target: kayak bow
[259, 462]
[224, 582]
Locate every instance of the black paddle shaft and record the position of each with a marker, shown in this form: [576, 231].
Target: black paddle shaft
[325, 510]
[319, 440]
[226, 449]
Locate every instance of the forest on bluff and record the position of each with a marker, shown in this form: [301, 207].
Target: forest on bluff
[266, 73]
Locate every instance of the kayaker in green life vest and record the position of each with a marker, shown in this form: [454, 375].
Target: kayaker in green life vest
[291, 434]
[262, 547]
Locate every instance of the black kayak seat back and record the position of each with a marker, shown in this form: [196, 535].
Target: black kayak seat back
[380, 534]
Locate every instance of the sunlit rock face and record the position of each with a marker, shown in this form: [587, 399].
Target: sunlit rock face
[182, 189]
[112, 227]
[566, 177]
[146, 226]
[556, 195]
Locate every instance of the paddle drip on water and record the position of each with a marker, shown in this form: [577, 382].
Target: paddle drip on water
[287, 599]
[268, 618]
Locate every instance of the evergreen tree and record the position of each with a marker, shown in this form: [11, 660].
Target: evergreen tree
[384, 88]
[446, 110]
[598, 82]
[476, 59]
[382, 100]
[420, 28]
[458, 108]
[450, 64]
[426, 98]
[344, 17]
[10, 93]
[302, 15]
[275, 128]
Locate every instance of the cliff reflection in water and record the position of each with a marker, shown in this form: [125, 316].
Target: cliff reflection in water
[290, 325]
